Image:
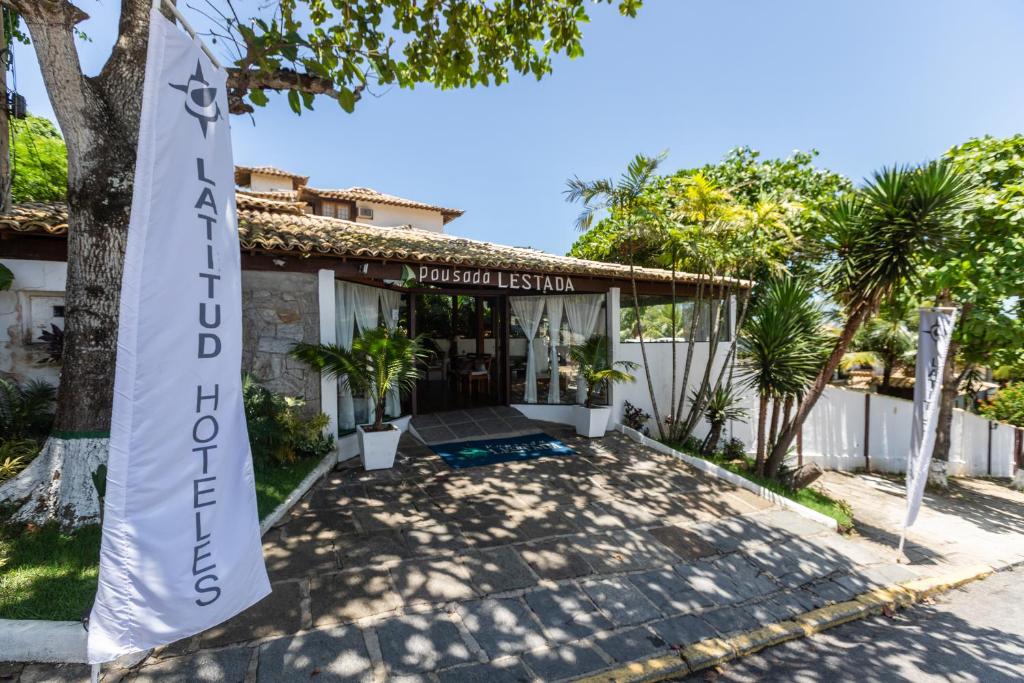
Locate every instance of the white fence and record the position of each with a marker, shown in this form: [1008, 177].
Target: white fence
[835, 434]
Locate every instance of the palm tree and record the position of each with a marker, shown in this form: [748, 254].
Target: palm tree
[379, 362]
[878, 236]
[724, 405]
[780, 353]
[592, 359]
[887, 340]
[625, 201]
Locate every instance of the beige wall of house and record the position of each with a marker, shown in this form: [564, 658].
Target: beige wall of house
[386, 215]
[261, 182]
[278, 310]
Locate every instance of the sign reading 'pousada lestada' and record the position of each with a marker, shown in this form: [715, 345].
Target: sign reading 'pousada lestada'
[499, 279]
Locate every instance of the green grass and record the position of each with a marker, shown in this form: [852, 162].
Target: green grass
[809, 497]
[273, 484]
[48, 574]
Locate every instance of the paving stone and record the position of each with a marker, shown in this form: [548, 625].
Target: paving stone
[485, 532]
[729, 620]
[888, 574]
[278, 614]
[350, 595]
[671, 593]
[542, 523]
[620, 601]
[390, 517]
[790, 521]
[564, 661]
[507, 670]
[433, 539]
[336, 654]
[832, 591]
[630, 513]
[432, 580]
[632, 644]
[497, 570]
[566, 613]
[501, 626]
[556, 559]
[371, 549]
[625, 550]
[421, 642]
[685, 544]
[745, 578]
[228, 666]
[297, 557]
[51, 673]
[334, 496]
[683, 630]
[320, 524]
[708, 585]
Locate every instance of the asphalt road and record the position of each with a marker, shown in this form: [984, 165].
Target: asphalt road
[972, 634]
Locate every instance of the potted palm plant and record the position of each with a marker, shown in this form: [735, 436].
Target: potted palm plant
[596, 370]
[379, 362]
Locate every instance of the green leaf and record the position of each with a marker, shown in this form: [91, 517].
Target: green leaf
[6, 278]
[347, 99]
[294, 102]
[258, 97]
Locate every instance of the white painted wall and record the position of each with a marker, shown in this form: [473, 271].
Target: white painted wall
[386, 215]
[834, 435]
[25, 311]
[659, 358]
[260, 182]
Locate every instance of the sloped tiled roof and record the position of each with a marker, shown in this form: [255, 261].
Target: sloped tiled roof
[365, 194]
[283, 227]
[243, 174]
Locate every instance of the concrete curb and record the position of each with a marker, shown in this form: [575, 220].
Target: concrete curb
[325, 466]
[714, 470]
[715, 651]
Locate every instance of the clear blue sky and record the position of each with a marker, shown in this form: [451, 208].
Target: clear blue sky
[865, 82]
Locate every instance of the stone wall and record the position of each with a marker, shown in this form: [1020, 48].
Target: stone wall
[280, 309]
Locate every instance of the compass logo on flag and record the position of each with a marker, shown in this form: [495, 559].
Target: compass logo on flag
[200, 98]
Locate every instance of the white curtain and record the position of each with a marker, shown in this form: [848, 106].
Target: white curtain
[582, 310]
[528, 310]
[345, 329]
[390, 301]
[554, 306]
[367, 308]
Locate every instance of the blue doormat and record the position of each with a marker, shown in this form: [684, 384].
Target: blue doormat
[491, 451]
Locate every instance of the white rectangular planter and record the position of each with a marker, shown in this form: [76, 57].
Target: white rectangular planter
[592, 422]
[377, 449]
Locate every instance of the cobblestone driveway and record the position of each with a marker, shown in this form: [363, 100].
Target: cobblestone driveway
[544, 569]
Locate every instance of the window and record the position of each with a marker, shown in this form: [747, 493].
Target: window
[366, 212]
[656, 319]
[335, 210]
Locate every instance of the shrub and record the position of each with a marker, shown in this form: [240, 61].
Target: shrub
[15, 455]
[635, 418]
[26, 410]
[734, 450]
[277, 430]
[1007, 405]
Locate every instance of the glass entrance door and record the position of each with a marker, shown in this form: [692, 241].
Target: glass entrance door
[463, 332]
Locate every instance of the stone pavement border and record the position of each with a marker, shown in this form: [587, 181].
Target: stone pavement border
[715, 651]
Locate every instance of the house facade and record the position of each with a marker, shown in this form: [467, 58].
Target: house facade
[320, 265]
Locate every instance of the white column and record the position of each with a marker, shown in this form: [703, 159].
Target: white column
[328, 335]
[611, 316]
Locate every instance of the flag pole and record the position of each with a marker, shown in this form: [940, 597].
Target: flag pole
[157, 4]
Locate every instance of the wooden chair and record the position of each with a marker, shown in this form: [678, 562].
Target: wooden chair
[475, 371]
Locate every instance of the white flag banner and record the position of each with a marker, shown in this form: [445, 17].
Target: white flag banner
[933, 336]
[181, 549]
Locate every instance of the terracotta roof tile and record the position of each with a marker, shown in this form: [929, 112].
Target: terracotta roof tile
[275, 226]
[365, 194]
[243, 173]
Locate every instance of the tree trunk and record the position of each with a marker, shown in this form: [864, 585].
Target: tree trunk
[643, 350]
[99, 117]
[774, 462]
[937, 474]
[790, 430]
[714, 436]
[762, 416]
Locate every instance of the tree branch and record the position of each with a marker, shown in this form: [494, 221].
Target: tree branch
[240, 82]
